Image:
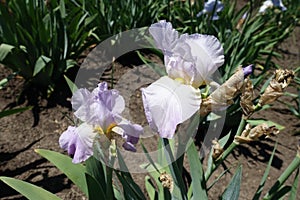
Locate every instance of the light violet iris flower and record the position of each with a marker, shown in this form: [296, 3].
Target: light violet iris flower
[271, 3]
[100, 111]
[190, 60]
[212, 6]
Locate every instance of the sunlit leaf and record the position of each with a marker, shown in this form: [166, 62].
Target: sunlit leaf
[29, 190]
[75, 172]
[255, 122]
[40, 64]
[198, 180]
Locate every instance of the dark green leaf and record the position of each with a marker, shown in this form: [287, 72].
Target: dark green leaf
[95, 191]
[95, 168]
[14, 111]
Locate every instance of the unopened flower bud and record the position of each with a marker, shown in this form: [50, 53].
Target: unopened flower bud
[281, 80]
[247, 97]
[224, 95]
[249, 135]
[217, 150]
[166, 181]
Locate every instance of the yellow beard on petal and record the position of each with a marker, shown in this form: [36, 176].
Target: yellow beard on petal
[107, 132]
[180, 80]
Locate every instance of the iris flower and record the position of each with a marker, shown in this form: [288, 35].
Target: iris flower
[271, 3]
[212, 6]
[190, 60]
[100, 111]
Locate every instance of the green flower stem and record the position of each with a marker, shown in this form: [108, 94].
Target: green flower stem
[109, 184]
[214, 166]
[284, 176]
[109, 177]
[174, 169]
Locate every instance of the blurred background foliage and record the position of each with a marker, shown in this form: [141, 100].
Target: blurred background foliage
[43, 40]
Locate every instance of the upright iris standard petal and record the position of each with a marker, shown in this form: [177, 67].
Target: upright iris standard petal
[193, 58]
[90, 105]
[164, 35]
[168, 103]
[112, 100]
[80, 98]
[209, 55]
[78, 141]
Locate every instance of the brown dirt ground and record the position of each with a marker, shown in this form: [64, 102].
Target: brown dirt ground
[18, 139]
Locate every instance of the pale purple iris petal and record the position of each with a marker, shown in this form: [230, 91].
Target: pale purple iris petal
[78, 142]
[211, 6]
[81, 98]
[110, 98]
[177, 67]
[129, 146]
[270, 3]
[247, 70]
[98, 107]
[278, 3]
[177, 53]
[168, 103]
[209, 55]
[130, 132]
[164, 35]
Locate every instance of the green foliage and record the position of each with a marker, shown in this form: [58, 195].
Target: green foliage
[29, 190]
[265, 176]
[198, 180]
[232, 191]
[75, 172]
[113, 17]
[13, 111]
[40, 40]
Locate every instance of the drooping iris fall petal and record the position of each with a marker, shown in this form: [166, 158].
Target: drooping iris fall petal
[78, 141]
[168, 103]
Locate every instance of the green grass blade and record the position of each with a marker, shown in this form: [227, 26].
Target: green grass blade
[29, 190]
[14, 111]
[265, 176]
[71, 84]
